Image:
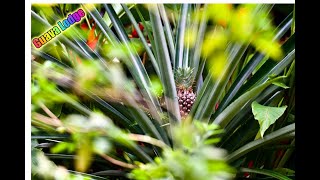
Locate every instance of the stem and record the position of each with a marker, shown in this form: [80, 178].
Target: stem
[46, 120]
[49, 113]
[117, 162]
[147, 139]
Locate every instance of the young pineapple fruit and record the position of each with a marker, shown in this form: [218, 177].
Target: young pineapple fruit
[186, 96]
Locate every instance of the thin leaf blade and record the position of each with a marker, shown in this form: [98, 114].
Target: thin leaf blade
[270, 173]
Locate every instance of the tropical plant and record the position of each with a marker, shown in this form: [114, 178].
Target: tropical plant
[164, 91]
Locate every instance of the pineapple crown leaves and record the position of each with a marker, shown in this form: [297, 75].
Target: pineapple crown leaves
[183, 77]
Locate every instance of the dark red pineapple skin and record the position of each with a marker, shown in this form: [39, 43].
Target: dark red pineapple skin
[186, 99]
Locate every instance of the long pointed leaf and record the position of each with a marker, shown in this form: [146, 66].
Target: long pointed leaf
[57, 136]
[283, 27]
[112, 38]
[68, 156]
[227, 114]
[214, 90]
[146, 124]
[180, 36]
[244, 74]
[200, 95]
[110, 173]
[168, 31]
[246, 111]
[135, 65]
[286, 155]
[122, 119]
[147, 30]
[270, 173]
[48, 57]
[271, 67]
[139, 151]
[195, 56]
[113, 111]
[117, 24]
[144, 42]
[74, 32]
[83, 46]
[95, 177]
[240, 134]
[274, 136]
[192, 26]
[186, 49]
[199, 74]
[165, 65]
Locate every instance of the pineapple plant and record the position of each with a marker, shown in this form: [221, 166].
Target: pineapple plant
[96, 112]
[186, 96]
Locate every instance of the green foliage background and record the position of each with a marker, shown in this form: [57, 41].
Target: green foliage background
[104, 100]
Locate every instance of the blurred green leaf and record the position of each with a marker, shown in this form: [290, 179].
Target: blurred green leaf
[37, 28]
[101, 145]
[272, 49]
[207, 164]
[214, 40]
[84, 153]
[156, 85]
[63, 146]
[34, 143]
[221, 13]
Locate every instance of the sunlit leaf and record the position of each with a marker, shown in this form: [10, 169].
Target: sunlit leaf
[266, 115]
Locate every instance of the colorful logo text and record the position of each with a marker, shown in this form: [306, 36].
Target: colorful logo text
[63, 25]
